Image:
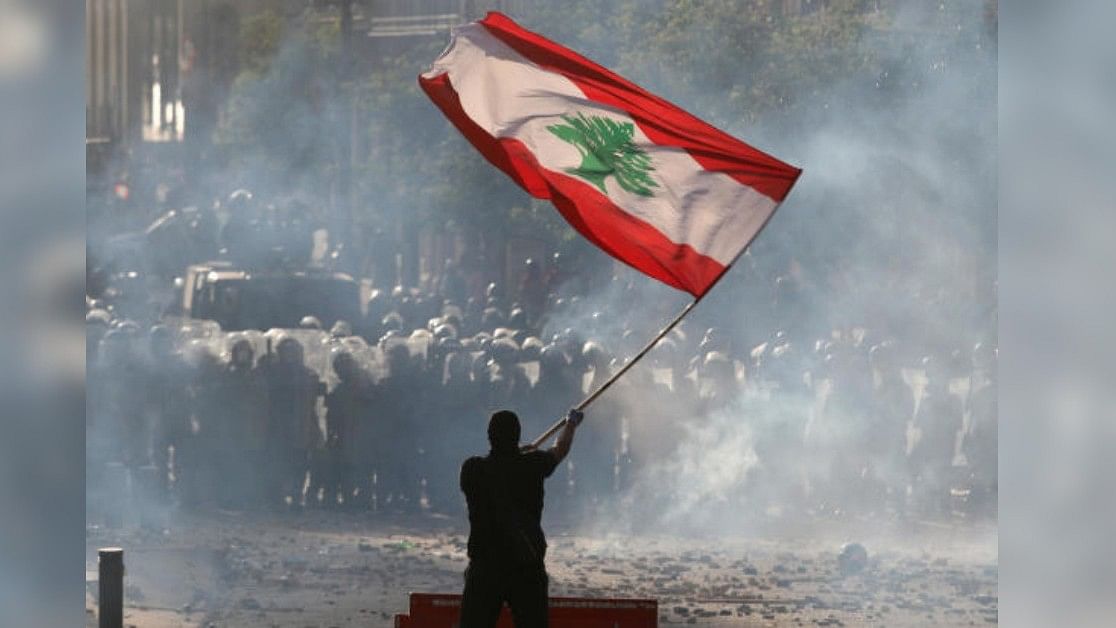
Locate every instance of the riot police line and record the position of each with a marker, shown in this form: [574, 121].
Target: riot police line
[309, 418]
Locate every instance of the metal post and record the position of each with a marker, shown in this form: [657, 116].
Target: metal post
[110, 581]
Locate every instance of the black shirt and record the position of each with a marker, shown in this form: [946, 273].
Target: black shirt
[486, 481]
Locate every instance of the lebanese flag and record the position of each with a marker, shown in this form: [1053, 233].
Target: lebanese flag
[652, 185]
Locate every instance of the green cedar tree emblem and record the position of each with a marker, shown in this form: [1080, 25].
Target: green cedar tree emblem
[606, 148]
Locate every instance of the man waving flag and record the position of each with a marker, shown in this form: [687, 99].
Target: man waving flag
[652, 185]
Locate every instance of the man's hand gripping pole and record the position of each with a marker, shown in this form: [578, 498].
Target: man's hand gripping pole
[580, 408]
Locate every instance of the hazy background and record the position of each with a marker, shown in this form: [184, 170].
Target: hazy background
[890, 108]
[1055, 92]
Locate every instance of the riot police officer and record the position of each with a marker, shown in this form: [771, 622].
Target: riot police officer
[346, 416]
[168, 396]
[242, 427]
[292, 393]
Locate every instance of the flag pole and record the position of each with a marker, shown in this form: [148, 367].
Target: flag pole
[624, 369]
[553, 429]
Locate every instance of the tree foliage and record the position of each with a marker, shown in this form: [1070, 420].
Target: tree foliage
[279, 128]
[260, 37]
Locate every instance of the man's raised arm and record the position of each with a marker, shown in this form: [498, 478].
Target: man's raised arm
[565, 437]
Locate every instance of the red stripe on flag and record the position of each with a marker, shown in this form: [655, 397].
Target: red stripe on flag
[663, 122]
[591, 213]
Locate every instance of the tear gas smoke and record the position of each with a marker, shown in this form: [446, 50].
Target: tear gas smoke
[889, 236]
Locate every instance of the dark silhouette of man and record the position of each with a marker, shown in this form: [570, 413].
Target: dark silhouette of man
[504, 492]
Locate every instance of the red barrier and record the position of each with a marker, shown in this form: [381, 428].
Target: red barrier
[440, 610]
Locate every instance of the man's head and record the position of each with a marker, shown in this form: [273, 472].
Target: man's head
[289, 351]
[241, 353]
[503, 431]
[344, 365]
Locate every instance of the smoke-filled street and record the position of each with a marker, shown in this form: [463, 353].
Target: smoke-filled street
[228, 570]
[328, 264]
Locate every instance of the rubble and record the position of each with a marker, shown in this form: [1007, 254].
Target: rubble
[852, 559]
[352, 570]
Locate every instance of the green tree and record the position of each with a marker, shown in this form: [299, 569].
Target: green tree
[281, 117]
[260, 36]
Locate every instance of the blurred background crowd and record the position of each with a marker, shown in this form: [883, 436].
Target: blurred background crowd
[372, 399]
